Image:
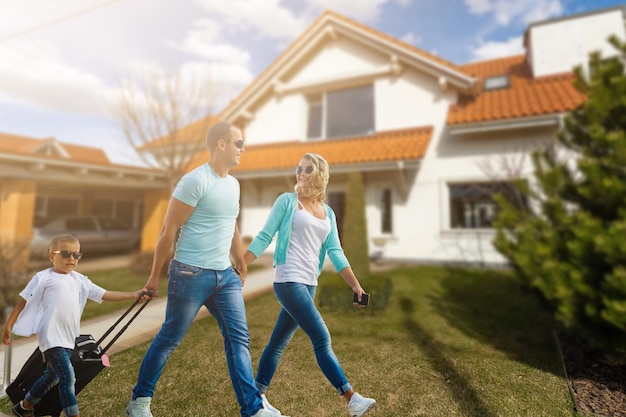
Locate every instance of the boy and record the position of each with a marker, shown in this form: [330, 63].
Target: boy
[51, 306]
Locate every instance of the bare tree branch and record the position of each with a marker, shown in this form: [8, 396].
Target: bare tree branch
[164, 119]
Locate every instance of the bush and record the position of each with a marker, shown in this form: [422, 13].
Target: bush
[354, 233]
[568, 243]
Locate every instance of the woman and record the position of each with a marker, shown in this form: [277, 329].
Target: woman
[307, 231]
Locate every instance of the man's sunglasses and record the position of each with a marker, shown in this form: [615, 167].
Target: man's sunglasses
[308, 170]
[238, 143]
[66, 254]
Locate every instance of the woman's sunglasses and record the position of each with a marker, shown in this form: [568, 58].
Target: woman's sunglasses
[308, 170]
[66, 254]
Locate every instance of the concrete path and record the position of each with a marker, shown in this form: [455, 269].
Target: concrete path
[145, 326]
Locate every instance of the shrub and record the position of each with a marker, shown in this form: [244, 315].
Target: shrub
[569, 243]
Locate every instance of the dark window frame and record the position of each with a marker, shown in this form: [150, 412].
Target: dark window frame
[472, 205]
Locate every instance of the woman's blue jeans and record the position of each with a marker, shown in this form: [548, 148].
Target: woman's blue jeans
[59, 370]
[189, 289]
[298, 302]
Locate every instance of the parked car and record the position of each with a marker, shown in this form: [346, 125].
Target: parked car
[97, 234]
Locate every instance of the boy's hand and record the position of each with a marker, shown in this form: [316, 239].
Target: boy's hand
[6, 335]
[143, 295]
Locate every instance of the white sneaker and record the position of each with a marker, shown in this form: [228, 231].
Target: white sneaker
[263, 412]
[139, 407]
[360, 405]
[268, 406]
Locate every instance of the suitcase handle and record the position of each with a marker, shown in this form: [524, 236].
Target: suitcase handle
[117, 336]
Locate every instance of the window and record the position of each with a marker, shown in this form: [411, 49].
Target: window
[348, 112]
[47, 208]
[472, 205]
[386, 206]
[495, 83]
[314, 129]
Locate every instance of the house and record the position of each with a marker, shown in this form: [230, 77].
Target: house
[44, 178]
[433, 139]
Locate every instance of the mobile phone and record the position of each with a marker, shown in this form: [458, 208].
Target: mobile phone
[365, 298]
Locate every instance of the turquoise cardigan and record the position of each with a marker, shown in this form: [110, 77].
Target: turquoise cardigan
[280, 220]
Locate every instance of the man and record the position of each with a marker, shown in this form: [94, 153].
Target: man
[202, 212]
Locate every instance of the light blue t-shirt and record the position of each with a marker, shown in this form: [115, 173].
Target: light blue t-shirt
[205, 238]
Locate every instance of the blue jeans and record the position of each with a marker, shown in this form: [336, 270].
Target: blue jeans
[59, 370]
[298, 302]
[189, 289]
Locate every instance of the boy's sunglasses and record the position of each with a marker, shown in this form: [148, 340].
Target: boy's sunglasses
[66, 254]
[308, 170]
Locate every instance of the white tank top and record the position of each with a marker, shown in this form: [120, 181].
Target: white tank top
[308, 234]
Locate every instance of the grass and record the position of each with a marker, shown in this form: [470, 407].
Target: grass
[452, 342]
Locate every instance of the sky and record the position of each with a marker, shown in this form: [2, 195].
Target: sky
[63, 62]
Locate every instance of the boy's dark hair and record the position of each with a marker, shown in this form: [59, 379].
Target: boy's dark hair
[66, 238]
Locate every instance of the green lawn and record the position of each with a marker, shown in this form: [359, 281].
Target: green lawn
[452, 342]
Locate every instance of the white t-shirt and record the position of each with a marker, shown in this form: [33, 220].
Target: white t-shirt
[308, 234]
[54, 304]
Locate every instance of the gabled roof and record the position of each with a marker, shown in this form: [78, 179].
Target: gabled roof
[406, 145]
[525, 97]
[328, 26]
[50, 148]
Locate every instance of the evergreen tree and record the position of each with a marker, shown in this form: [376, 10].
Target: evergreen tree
[569, 242]
[354, 233]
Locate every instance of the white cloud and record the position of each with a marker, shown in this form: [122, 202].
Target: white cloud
[492, 49]
[506, 11]
[411, 39]
[36, 73]
[203, 42]
[478, 6]
[366, 11]
[267, 17]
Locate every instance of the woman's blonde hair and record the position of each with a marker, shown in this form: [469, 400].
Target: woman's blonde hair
[318, 179]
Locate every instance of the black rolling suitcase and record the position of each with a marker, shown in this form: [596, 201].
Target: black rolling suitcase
[88, 359]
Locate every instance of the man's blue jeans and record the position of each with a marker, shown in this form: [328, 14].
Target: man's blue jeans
[59, 370]
[189, 289]
[298, 302]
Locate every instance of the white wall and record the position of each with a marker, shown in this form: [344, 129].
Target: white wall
[413, 99]
[338, 58]
[278, 119]
[558, 46]
[453, 159]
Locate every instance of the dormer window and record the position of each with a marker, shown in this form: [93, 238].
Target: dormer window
[341, 113]
[497, 82]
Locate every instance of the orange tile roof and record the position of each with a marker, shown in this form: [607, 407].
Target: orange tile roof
[526, 96]
[192, 132]
[388, 146]
[22, 145]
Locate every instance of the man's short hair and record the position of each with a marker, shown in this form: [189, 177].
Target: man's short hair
[221, 130]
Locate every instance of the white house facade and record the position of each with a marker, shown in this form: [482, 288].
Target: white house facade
[434, 140]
